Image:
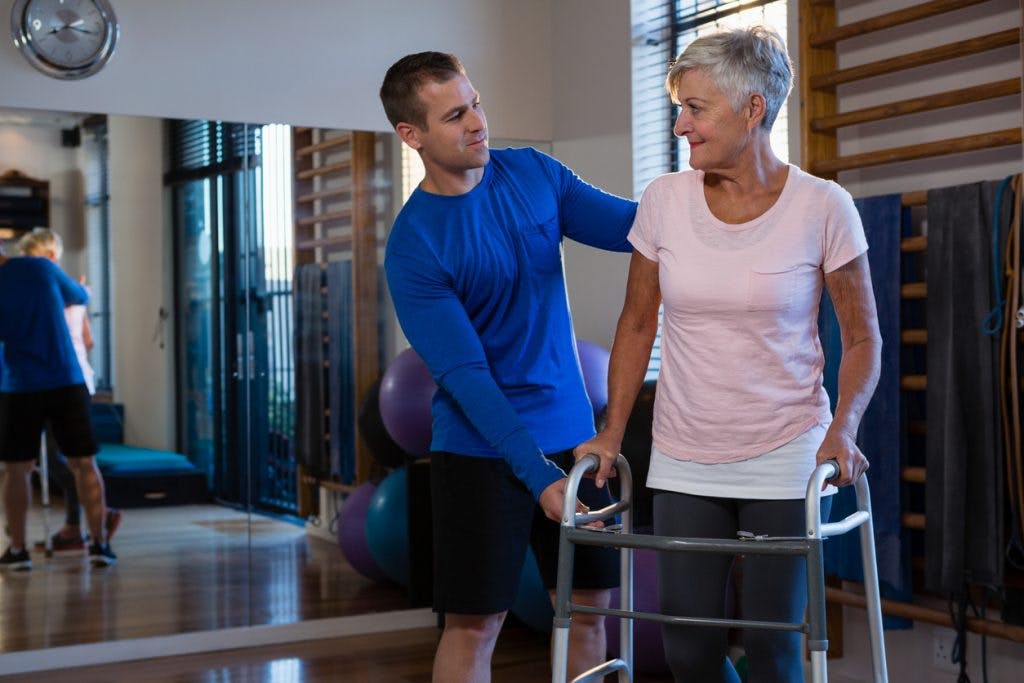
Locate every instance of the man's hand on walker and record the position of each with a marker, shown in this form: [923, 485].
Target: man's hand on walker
[552, 498]
[606, 448]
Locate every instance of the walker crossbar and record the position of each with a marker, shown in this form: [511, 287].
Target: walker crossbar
[692, 621]
[643, 541]
[810, 547]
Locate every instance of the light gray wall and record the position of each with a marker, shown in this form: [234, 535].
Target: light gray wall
[315, 62]
[593, 135]
[141, 282]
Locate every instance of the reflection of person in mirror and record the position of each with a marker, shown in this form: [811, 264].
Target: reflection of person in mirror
[48, 244]
[43, 384]
[474, 265]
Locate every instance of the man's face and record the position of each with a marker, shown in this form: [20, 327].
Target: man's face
[455, 137]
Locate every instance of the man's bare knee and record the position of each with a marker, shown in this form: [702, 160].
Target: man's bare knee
[79, 465]
[482, 627]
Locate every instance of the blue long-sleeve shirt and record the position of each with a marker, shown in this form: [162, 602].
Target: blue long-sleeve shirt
[37, 349]
[479, 289]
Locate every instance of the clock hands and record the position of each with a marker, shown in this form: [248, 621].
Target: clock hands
[73, 26]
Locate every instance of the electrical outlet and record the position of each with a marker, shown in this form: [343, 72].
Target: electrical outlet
[942, 650]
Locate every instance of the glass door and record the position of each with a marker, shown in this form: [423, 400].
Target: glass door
[236, 374]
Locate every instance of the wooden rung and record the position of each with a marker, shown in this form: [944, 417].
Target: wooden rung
[325, 194]
[1010, 86]
[914, 290]
[336, 241]
[884, 21]
[915, 475]
[913, 244]
[914, 382]
[912, 520]
[917, 427]
[335, 486]
[828, 81]
[330, 143]
[319, 218]
[969, 143]
[914, 337]
[907, 610]
[341, 166]
[916, 198]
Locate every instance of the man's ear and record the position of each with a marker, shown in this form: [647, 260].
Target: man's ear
[409, 134]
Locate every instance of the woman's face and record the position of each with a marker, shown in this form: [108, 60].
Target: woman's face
[717, 134]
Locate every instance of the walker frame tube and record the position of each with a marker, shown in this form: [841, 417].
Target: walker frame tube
[44, 494]
[810, 547]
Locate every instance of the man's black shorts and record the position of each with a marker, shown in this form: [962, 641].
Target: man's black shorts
[23, 414]
[483, 519]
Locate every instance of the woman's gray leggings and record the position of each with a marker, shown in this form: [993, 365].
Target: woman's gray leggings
[773, 588]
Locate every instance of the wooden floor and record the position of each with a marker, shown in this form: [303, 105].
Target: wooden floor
[198, 568]
[183, 569]
[398, 657]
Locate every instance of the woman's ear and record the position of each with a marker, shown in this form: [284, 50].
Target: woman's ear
[758, 107]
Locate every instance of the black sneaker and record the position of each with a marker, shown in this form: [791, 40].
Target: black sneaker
[16, 561]
[101, 555]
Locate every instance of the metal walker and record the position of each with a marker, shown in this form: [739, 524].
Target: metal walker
[810, 547]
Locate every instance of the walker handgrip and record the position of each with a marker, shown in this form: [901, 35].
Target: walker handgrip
[833, 467]
[588, 463]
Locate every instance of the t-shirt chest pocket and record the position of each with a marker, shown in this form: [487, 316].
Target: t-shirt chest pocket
[542, 246]
[771, 290]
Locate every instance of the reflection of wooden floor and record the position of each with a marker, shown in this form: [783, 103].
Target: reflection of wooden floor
[182, 569]
[396, 657]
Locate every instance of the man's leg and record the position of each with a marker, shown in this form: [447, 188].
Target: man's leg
[60, 472]
[465, 649]
[89, 485]
[481, 518]
[17, 494]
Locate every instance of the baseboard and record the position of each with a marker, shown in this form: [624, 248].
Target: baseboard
[70, 656]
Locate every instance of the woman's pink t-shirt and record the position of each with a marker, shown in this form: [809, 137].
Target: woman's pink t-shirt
[741, 364]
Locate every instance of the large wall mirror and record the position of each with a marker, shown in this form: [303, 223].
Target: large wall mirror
[222, 263]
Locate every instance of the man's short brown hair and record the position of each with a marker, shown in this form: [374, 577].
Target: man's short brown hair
[399, 92]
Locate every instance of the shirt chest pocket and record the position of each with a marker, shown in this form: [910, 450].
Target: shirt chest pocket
[542, 247]
[771, 291]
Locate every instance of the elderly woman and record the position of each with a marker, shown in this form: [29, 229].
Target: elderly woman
[738, 250]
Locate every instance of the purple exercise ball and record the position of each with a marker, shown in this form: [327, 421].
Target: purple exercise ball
[352, 532]
[594, 364]
[406, 392]
[648, 651]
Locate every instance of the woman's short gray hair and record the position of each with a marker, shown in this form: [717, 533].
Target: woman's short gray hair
[741, 62]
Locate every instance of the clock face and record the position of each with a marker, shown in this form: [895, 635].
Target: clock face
[65, 38]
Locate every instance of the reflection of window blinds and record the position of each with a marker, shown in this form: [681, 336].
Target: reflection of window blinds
[661, 29]
[97, 246]
[203, 149]
[412, 171]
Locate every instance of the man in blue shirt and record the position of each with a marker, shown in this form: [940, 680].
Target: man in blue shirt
[42, 381]
[474, 265]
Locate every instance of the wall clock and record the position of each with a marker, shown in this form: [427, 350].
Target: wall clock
[65, 39]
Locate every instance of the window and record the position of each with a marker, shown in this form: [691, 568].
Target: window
[662, 29]
[97, 238]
